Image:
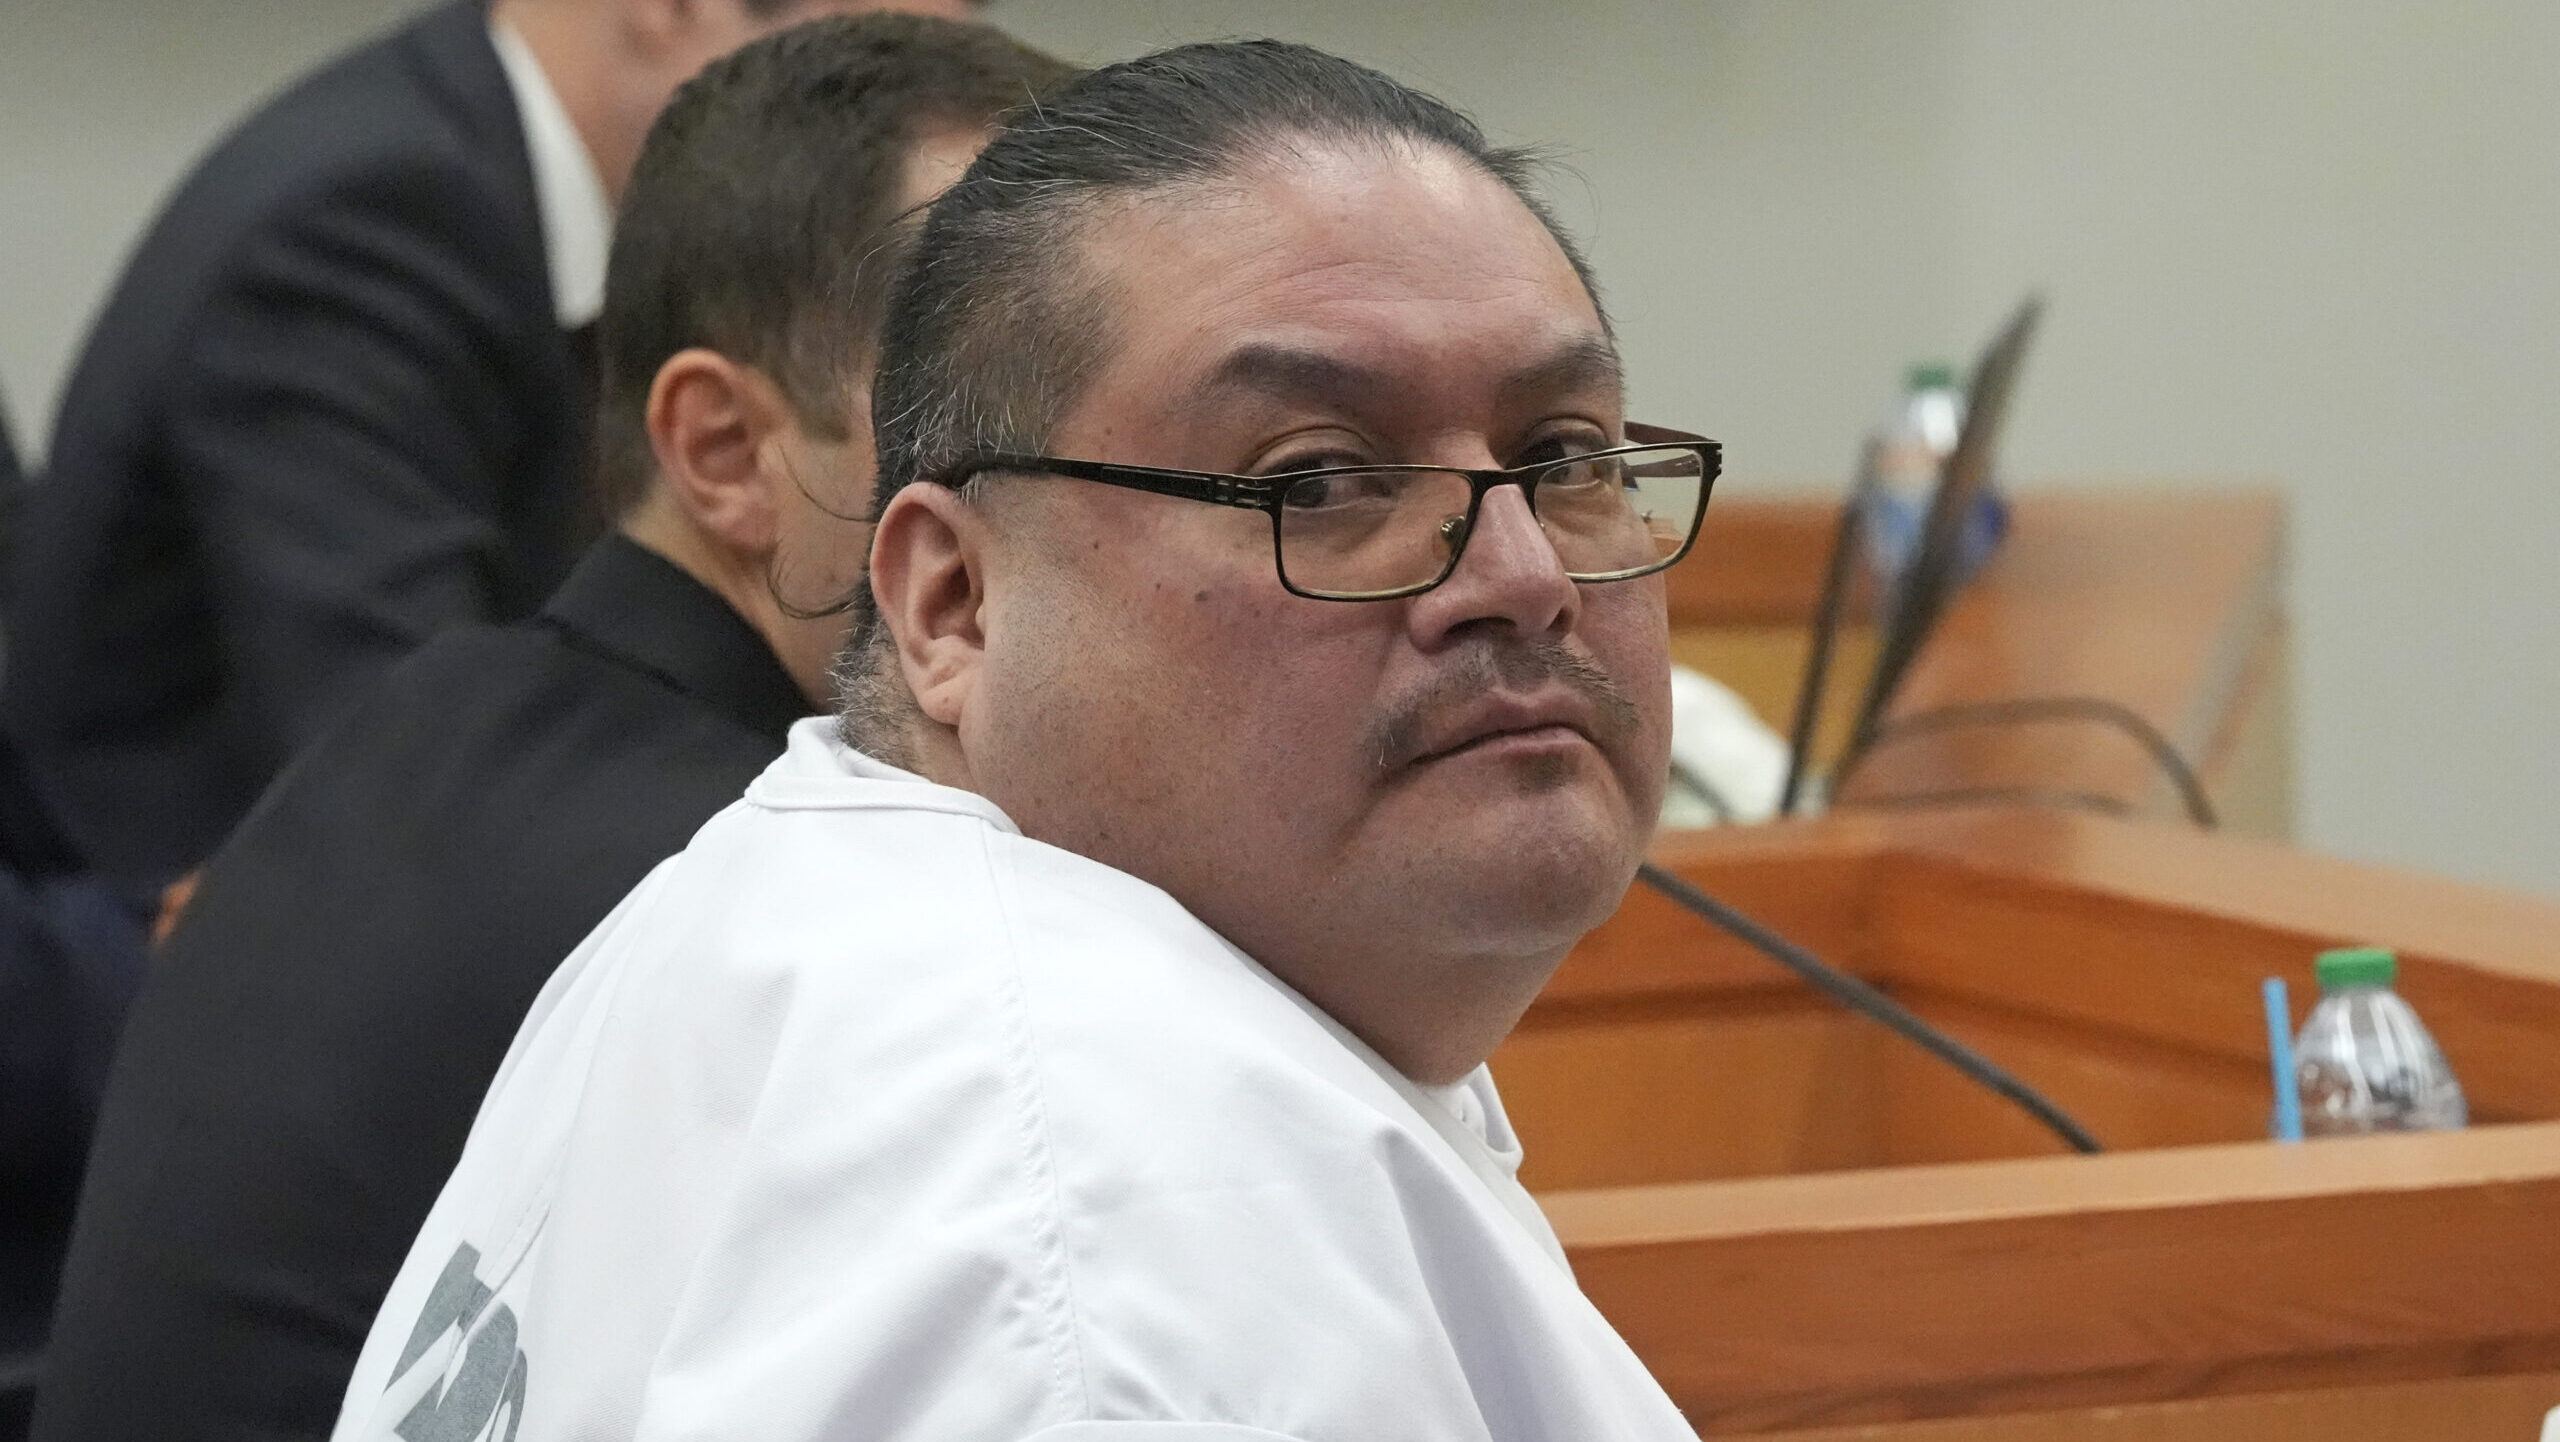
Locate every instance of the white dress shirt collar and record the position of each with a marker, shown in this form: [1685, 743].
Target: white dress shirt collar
[577, 219]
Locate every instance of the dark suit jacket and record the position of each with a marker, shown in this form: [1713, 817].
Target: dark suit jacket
[327, 413]
[10, 475]
[307, 1053]
[71, 954]
[12, 480]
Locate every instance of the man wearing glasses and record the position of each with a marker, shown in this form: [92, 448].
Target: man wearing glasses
[1261, 688]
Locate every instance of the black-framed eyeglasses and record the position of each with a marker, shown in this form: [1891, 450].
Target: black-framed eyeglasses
[1375, 533]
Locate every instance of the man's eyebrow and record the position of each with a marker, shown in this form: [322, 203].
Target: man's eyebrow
[1585, 363]
[1588, 362]
[1288, 373]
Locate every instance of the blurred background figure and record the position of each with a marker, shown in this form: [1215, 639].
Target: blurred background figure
[70, 956]
[326, 1015]
[339, 402]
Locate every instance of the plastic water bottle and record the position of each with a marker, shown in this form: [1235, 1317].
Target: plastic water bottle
[1911, 454]
[1914, 443]
[2364, 1061]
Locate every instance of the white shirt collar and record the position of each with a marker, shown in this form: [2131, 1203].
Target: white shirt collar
[577, 219]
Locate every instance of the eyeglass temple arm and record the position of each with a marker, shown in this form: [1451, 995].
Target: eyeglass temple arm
[1186, 485]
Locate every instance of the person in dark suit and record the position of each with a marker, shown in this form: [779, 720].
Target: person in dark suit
[71, 955]
[334, 406]
[307, 1054]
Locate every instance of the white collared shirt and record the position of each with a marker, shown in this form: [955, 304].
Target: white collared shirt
[577, 218]
[867, 1116]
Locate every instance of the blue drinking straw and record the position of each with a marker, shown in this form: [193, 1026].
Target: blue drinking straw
[2280, 1059]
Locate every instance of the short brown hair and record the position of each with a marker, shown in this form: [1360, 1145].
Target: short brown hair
[760, 216]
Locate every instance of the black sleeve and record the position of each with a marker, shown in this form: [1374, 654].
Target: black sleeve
[71, 957]
[346, 427]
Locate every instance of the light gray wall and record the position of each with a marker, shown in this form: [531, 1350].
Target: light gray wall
[2315, 242]
[2311, 243]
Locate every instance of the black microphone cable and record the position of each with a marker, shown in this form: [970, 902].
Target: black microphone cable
[1869, 1002]
[2045, 796]
[2164, 753]
[1719, 807]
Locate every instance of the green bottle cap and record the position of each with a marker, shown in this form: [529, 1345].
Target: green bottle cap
[2357, 966]
[1931, 376]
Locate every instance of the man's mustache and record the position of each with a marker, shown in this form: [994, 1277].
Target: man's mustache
[1495, 664]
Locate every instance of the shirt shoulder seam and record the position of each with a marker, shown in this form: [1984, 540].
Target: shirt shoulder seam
[1068, 1365]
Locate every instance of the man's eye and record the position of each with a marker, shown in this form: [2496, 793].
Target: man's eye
[1336, 492]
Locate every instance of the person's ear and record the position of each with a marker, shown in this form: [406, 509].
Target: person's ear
[657, 27]
[718, 430]
[929, 576]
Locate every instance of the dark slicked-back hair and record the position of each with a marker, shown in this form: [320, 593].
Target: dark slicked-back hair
[761, 215]
[993, 325]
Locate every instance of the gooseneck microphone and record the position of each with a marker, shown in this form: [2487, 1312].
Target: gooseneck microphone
[1829, 614]
[1869, 1002]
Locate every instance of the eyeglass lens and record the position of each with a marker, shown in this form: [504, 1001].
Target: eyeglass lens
[1382, 531]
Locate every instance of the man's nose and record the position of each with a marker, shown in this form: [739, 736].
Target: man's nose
[1507, 571]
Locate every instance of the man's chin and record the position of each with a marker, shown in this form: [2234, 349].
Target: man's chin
[1553, 860]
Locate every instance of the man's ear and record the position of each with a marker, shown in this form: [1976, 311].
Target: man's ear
[717, 429]
[656, 27]
[929, 576]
